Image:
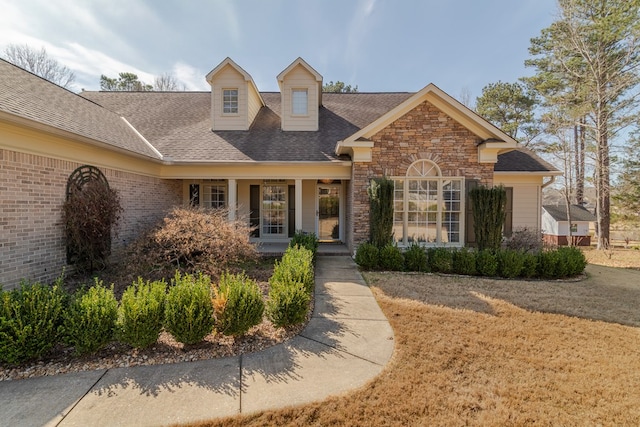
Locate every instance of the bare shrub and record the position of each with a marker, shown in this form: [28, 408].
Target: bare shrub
[90, 213]
[525, 239]
[193, 239]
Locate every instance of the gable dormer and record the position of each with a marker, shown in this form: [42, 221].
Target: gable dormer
[301, 96]
[235, 100]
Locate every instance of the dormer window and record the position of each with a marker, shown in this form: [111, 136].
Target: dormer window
[230, 101]
[299, 98]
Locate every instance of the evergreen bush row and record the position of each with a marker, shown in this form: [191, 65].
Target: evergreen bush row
[507, 263]
[35, 317]
[291, 286]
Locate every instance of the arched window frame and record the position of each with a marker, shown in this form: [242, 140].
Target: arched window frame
[416, 194]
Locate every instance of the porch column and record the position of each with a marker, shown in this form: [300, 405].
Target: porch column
[298, 205]
[233, 199]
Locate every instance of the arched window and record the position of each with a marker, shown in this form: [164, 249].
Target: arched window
[428, 208]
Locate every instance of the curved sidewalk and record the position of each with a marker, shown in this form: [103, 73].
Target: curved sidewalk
[346, 343]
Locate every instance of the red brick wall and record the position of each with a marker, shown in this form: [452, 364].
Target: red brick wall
[32, 192]
[423, 133]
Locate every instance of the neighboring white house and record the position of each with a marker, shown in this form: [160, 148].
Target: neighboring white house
[555, 225]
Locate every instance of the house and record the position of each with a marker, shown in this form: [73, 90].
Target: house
[555, 225]
[297, 159]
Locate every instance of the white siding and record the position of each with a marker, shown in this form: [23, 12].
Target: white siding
[254, 105]
[229, 78]
[549, 225]
[527, 203]
[300, 78]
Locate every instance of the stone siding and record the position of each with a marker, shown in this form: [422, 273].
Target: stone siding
[423, 133]
[33, 190]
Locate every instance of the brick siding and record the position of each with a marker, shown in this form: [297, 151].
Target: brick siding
[33, 190]
[423, 133]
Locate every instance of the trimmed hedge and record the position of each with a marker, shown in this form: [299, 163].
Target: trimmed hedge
[90, 321]
[507, 263]
[237, 304]
[288, 303]
[290, 287]
[188, 310]
[29, 320]
[415, 258]
[391, 258]
[141, 313]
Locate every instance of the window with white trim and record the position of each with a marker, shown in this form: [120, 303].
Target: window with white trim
[214, 195]
[230, 101]
[299, 98]
[274, 209]
[427, 206]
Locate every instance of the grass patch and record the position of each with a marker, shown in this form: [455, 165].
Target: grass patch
[473, 351]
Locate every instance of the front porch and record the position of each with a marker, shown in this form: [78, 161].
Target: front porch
[324, 249]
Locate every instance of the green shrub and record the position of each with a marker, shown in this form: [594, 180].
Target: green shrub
[440, 260]
[29, 321]
[381, 211]
[464, 262]
[288, 303]
[487, 263]
[529, 265]
[305, 240]
[573, 259]
[141, 313]
[367, 256]
[390, 258]
[189, 310]
[295, 266]
[510, 263]
[547, 264]
[90, 321]
[237, 304]
[488, 207]
[415, 258]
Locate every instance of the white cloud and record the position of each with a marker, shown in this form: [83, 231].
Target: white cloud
[192, 78]
[358, 29]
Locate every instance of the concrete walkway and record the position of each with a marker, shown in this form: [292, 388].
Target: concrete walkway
[346, 343]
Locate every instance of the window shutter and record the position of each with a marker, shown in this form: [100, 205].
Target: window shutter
[194, 194]
[507, 229]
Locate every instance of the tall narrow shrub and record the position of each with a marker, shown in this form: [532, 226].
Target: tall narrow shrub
[488, 205]
[381, 211]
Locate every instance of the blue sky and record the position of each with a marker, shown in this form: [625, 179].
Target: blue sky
[379, 45]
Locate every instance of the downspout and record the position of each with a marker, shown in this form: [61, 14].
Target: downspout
[546, 184]
[551, 181]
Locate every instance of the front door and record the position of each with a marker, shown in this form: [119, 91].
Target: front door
[328, 212]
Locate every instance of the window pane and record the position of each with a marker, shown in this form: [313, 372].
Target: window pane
[299, 101]
[214, 196]
[230, 101]
[273, 209]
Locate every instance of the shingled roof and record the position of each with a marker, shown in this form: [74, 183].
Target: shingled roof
[522, 160]
[30, 97]
[178, 124]
[578, 213]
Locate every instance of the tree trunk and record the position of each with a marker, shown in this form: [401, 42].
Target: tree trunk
[602, 183]
[579, 146]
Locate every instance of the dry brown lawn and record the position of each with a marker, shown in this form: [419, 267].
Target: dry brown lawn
[473, 351]
[618, 257]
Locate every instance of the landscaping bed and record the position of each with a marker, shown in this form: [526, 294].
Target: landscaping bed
[61, 359]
